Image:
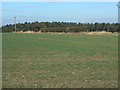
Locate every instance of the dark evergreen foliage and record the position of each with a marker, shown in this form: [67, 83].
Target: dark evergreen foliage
[62, 27]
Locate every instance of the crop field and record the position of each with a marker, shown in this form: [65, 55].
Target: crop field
[59, 61]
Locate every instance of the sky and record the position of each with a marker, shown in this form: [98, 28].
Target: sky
[84, 12]
[60, 0]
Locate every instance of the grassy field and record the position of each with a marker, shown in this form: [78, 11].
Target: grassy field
[59, 61]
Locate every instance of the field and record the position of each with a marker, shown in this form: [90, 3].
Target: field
[59, 61]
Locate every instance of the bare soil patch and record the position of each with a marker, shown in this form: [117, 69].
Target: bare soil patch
[88, 33]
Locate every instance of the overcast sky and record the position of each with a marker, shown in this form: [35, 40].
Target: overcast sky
[59, 11]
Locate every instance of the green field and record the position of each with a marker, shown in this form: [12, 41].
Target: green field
[59, 61]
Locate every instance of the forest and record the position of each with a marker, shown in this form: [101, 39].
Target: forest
[62, 27]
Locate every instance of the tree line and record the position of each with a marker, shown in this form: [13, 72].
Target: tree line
[62, 27]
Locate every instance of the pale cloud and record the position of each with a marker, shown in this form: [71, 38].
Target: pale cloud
[60, 0]
[0, 14]
[11, 10]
